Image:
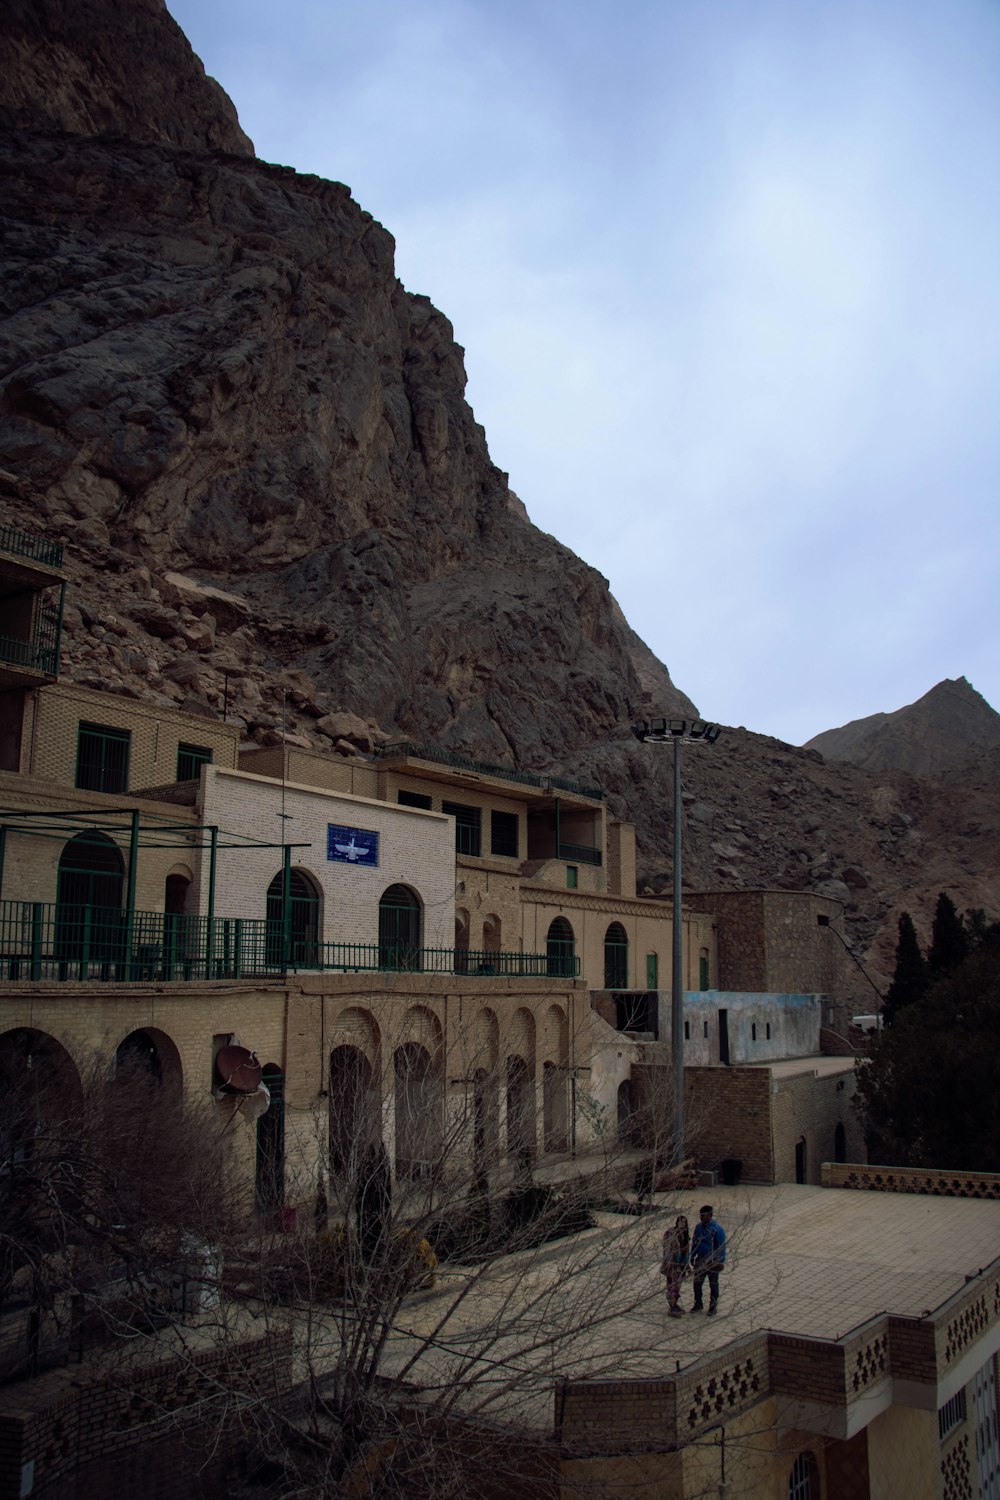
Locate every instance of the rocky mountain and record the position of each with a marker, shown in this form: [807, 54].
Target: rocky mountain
[277, 504]
[947, 727]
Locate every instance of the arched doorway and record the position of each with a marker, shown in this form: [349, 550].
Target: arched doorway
[90, 882]
[616, 957]
[177, 949]
[148, 1058]
[486, 1121]
[492, 935]
[626, 1112]
[520, 1109]
[353, 1111]
[418, 1104]
[399, 924]
[303, 924]
[555, 1117]
[560, 949]
[269, 1176]
[800, 1159]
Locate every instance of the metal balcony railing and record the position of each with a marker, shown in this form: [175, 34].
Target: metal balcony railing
[400, 748]
[20, 544]
[41, 940]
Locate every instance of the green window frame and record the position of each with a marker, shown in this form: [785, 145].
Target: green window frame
[468, 827]
[652, 971]
[102, 757]
[572, 877]
[190, 759]
[505, 830]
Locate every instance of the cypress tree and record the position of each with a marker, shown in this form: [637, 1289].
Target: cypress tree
[949, 938]
[910, 979]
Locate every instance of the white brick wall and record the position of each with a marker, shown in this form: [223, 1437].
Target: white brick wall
[416, 849]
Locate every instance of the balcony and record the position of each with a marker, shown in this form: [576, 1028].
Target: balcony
[406, 750]
[42, 941]
[33, 548]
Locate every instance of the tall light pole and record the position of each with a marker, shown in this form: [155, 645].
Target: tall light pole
[662, 732]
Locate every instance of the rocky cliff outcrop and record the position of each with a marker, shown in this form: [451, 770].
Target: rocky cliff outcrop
[277, 503]
[947, 727]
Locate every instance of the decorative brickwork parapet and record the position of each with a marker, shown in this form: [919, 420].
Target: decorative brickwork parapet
[926, 1180]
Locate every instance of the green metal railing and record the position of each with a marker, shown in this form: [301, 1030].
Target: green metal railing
[407, 748]
[581, 854]
[49, 554]
[40, 940]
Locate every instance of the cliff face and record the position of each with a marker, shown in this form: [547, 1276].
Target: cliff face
[254, 444]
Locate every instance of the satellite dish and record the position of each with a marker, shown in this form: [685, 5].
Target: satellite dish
[238, 1070]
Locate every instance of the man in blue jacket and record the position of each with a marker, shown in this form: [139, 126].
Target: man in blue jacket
[708, 1256]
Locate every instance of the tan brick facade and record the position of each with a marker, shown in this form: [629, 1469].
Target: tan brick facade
[50, 735]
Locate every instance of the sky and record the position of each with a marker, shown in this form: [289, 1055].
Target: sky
[727, 277]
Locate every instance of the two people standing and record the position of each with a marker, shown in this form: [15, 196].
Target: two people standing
[703, 1253]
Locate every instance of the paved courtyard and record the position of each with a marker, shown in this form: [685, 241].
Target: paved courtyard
[803, 1260]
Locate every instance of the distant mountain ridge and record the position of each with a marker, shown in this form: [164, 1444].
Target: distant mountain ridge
[948, 727]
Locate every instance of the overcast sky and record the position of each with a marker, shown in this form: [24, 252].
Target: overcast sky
[727, 275]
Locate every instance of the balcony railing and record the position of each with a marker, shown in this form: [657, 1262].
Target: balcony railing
[38, 655]
[39, 940]
[581, 854]
[400, 748]
[20, 544]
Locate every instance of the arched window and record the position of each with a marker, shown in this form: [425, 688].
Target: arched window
[560, 948]
[486, 1125]
[616, 957]
[303, 926]
[399, 935]
[88, 901]
[803, 1482]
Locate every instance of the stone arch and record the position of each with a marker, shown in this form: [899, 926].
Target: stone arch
[554, 1045]
[492, 938]
[616, 957]
[354, 1122]
[38, 1078]
[560, 949]
[148, 1057]
[520, 1108]
[400, 928]
[304, 920]
[355, 1026]
[418, 1099]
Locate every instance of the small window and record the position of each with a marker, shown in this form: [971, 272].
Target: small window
[414, 799]
[190, 759]
[951, 1414]
[102, 758]
[687, 1031]
[753, 1031]
[467, 827]
[704, 1028]
[803, 1482]
[572, 874]
[768, 1031]
[504, 834]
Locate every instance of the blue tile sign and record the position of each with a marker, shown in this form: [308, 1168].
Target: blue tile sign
[351, 846]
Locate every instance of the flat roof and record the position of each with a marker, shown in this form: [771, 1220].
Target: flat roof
[806, 1261]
